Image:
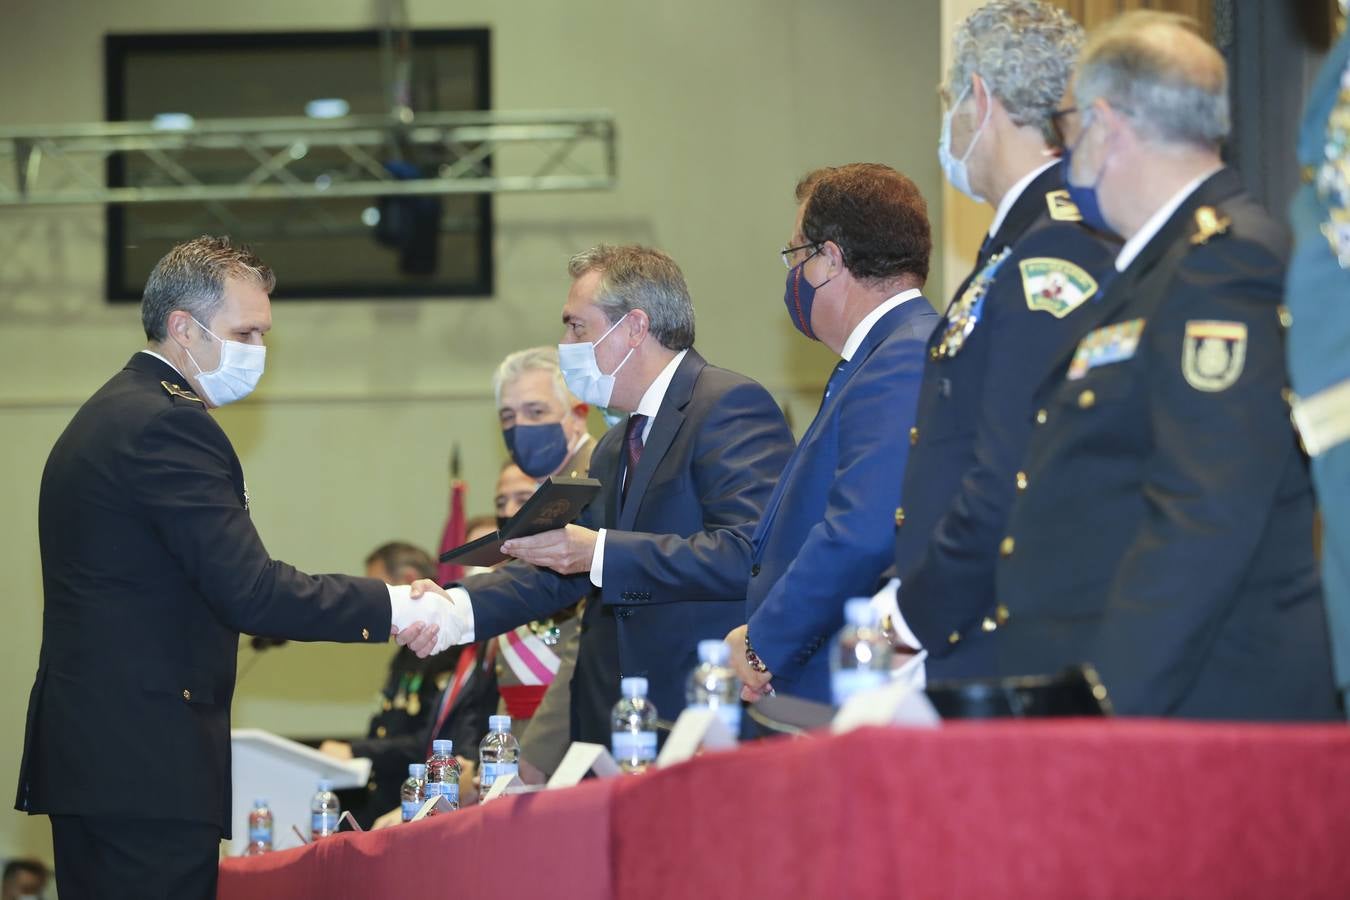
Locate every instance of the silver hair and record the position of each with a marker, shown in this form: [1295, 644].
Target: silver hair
[1024, 51]
[1156, 69]
[534, 359]
[633, 277]
[192, 277]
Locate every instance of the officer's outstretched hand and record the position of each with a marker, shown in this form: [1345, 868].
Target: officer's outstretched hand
[425, 619]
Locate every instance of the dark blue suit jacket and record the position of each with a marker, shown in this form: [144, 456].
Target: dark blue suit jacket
[827, 534]
[677, 553]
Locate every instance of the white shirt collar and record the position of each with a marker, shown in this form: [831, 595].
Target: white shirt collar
[650, 404]
[860, 332]
[1014, 193]
[163, 360]
[1136, 244]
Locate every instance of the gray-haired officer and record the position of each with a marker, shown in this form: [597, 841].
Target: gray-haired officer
[1319, 335]
[1163, 526]
[1016, 314]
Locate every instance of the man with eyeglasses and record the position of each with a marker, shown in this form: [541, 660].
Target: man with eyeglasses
[1163, 526]
[1017, 312]
[857, 262]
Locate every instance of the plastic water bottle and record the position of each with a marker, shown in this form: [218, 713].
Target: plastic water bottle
[259, 829]
[443, 772]
[324, 811]
[714, 685]
[634, 727]
[414, 790]
[498, 755]
[862, 656]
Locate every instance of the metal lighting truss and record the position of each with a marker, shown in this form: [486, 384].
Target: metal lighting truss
[211, 161]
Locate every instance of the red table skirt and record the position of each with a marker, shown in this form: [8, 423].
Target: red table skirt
[1072, 809]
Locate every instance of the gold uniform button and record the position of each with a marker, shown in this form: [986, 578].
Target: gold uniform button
[1001, 614]
[187, 695]
[365, 634]
[381, 731]
[1005, 549]
[1087, 399]
[1021, 481]
[899, 517]
[1286, 317]
[913, 436]
[934, 354]
[1041, 416]
[953, 637]
[988, 624]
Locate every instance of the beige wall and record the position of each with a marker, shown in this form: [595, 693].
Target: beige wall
[721, 105]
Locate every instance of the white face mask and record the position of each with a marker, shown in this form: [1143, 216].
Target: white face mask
[582, 372]
[237, 374]
[955, 169]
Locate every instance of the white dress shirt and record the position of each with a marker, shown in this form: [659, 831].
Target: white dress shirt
[1014, 194]
[861, 330]
[648, 406]
[1139, 240]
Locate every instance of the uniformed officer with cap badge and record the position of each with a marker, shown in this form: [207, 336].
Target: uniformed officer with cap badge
[1319, 335]
[1163, 524]
[1010, 321]
[151, 569]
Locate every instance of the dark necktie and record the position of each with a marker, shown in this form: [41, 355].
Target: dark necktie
[632, 442]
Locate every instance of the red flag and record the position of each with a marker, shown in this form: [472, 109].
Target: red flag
[452, 535]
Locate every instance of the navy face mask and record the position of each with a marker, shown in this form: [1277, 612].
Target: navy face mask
[1085, 196]
[538, 449]
[799, 295]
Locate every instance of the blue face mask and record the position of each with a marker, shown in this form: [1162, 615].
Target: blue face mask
[799, 295]
[538, 449]
[1085, 196]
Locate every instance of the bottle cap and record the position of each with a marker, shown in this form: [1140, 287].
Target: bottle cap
[259, 802]
[714, 652]
[499, 723]
[860, 613]
[325, 784]
[417, 770]
[633, 687]
[443, 747]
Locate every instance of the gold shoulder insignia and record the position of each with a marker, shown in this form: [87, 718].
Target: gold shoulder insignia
[1055, 286]
[174, 390]
[1062, 209]
[1208, 223]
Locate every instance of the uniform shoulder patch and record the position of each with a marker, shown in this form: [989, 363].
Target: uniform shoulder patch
[174, 390]
[1209, 223]
[1056, 286]
[1212, 354]
[1061, 208]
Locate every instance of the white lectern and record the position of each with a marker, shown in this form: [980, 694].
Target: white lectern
[286, 773]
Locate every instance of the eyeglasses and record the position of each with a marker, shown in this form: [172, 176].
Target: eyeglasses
[786, 253]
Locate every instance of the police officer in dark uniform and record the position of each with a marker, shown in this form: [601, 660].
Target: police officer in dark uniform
[1010, 321]
[151, 570]
[1163, 526]
[1319, 335]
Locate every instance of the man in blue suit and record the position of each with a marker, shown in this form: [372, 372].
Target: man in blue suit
[663, 552]
[857, 261]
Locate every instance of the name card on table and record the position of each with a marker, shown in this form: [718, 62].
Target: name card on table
[580, 759]
[499, 787]
[894, 703]
[434, 806]
[695, 729]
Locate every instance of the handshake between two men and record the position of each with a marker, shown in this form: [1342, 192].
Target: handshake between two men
[428, 618]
